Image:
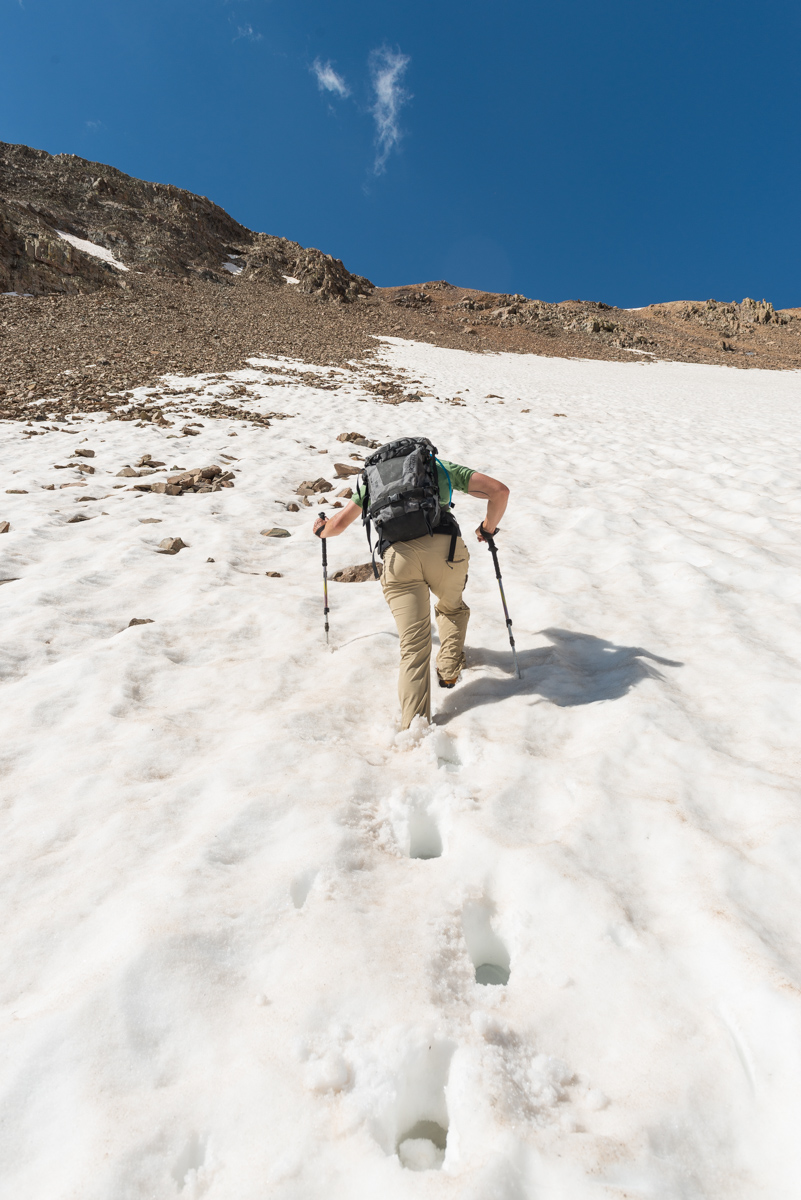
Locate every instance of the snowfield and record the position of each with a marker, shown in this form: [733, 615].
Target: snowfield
[244, 917]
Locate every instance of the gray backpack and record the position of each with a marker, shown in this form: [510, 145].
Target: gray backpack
[401, 494]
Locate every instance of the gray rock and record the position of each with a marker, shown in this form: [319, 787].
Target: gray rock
[127, 473]
[275, 532]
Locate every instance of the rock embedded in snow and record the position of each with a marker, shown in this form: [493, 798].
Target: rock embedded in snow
[16, 492]
[5, 527]
[85, 453]
[171, 546]
[360, 574]
[346, 493]
[127, 473]
[358, 439]
[344, 470]
[293, 507]
[276, 532]
[140, 621]
[78, 517]
[310, 486]
[199, 479]
[274, 574]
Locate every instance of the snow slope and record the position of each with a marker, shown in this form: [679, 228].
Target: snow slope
[243, 916]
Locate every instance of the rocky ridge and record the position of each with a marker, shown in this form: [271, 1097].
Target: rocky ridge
[194, 292]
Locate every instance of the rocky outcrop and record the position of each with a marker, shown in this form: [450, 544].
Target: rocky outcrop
[151, 228]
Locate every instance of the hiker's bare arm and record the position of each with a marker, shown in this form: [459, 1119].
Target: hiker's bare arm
[495, 493]
[340, 522]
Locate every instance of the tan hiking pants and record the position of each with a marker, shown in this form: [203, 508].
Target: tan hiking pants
[411, 571]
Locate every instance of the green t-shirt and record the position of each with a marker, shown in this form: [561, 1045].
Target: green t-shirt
[459, 481]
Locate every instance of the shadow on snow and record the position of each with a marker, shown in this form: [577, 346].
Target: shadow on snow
[576, 669]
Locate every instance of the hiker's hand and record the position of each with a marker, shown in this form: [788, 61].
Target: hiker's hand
[482, 533]
[318, 525]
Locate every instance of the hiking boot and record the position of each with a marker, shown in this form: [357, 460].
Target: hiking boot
[447, 683]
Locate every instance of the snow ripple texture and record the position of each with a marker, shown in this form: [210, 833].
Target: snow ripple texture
[258, 944]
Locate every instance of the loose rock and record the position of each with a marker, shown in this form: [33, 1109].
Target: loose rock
[171, 546]
[85, 453]
[344, 470]
[310, 486]
[358, 439]
[274, 574]
[4, 527]
[361, 574]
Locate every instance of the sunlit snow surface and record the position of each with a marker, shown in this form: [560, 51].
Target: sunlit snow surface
[243, 918]
[93, 249]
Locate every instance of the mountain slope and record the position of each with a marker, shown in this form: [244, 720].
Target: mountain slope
[153, 228]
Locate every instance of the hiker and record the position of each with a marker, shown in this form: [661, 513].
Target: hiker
[407, 492]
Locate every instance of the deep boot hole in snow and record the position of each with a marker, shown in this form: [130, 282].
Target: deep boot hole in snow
[424, 838]
[414, 1121]
[191, 1158]
[490, 956]
[422, 1148]
[301, 886]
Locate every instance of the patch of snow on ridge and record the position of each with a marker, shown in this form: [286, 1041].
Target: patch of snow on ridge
[256, 944]
[91, 248]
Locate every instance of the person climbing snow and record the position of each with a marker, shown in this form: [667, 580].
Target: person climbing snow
[406, 491]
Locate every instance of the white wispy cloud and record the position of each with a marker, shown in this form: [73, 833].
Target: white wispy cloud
[247, 31]
[328, 80]
[386, 72]
[94, 125]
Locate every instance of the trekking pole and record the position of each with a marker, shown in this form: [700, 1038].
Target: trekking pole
[325, 580]
[490, 540]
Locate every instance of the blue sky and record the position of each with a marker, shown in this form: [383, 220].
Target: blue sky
[626, 152]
